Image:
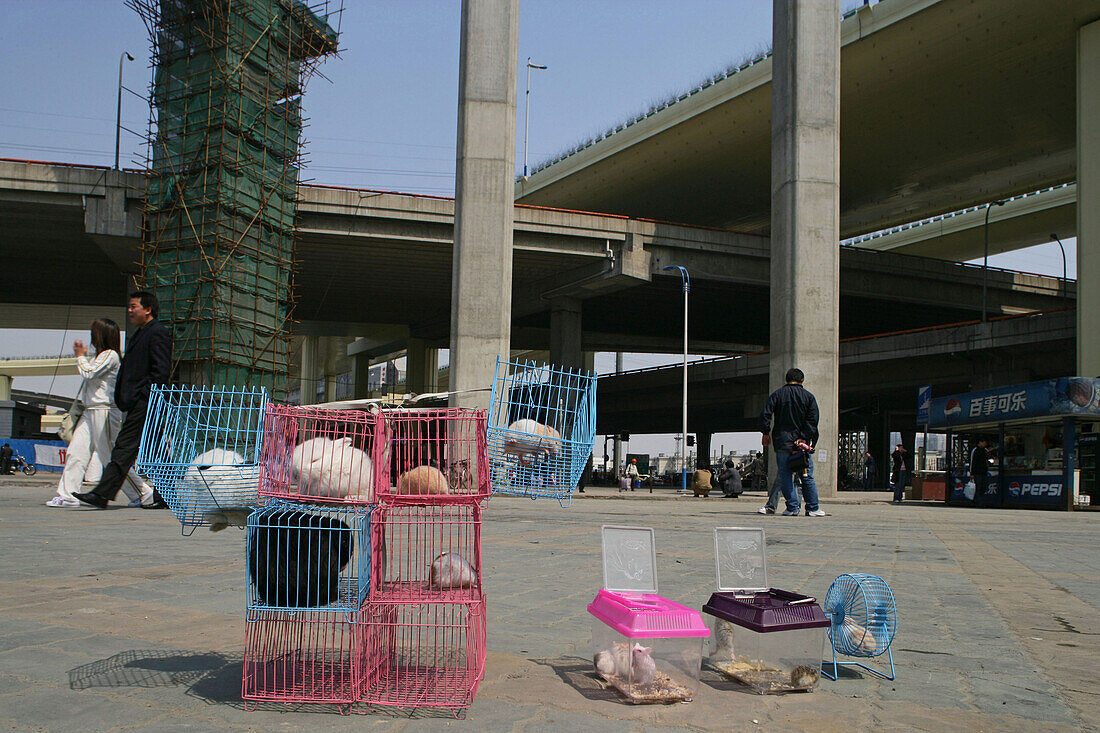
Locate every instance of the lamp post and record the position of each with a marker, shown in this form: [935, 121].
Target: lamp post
[527, 110]
[1065, 285]
[683, 445]
[985, 259]
[118, 117]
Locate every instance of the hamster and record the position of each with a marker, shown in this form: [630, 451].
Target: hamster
[630, 664]
[295, 558]
[334, 469]
[422, 480]
[536, 438]
[723, 640]
[451, 571]
[804, 676]
[221, 477]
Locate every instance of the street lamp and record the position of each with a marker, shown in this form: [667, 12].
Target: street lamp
[1065, 285]
[683, 445]
[118, 118]
[527, 110]
[985, 260]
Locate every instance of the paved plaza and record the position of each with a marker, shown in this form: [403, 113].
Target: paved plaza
[111, 620]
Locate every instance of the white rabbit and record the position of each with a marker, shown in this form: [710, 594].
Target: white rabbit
[221, 477]
[451, 571]
[536, 439]
[334, 469]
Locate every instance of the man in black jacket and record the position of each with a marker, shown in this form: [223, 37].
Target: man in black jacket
[795, 414]
[148, 361]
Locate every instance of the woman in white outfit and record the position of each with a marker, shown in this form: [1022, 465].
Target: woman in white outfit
[97, 428]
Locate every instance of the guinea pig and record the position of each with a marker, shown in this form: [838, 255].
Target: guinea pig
[423, 480]
[220, 477]
[295, 558]
[334, 469]
[536, 438]
[451, 571]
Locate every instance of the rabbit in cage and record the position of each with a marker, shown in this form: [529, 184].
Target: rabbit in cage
[423, 480]
[219, 476]
[295, 558]
[536, 439]
[335, 469]
[451, 571]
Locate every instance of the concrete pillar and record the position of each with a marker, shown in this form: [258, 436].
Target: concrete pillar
[5, 388]
[421, 367]
[805, 257]
[565, 333]
[618, 444]
[702, 448]
[1088, 199]
[481, 274]
[360, 376]
[308, 371]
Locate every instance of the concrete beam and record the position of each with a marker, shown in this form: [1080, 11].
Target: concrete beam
[805, 263]
[75, 317]
[1088, 208]
[481, 276]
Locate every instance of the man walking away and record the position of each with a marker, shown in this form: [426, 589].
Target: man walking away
[5, 459]
[791, 416]
[900, 471]
[979, 468]
[148, 361]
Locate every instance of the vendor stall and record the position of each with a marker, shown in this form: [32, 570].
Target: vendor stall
[1036, 443]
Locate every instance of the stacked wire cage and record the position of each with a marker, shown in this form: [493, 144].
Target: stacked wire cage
[425, 638]
[542, 421]
[201, 449]
[310, 556]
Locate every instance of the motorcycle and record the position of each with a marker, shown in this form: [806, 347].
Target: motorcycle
[19, 463]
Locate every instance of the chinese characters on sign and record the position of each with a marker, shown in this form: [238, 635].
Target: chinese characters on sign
[1003, 403]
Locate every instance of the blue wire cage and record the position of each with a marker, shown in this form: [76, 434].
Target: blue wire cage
[863, 620]
[304, 557]
[201, 448]
[542, 420]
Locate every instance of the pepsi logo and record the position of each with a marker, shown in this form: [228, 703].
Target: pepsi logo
[952, 407]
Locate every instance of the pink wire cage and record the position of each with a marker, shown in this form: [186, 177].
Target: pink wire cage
[313, 454]
[426, 553]
[435, 455]
[305, 656]
[425, 655]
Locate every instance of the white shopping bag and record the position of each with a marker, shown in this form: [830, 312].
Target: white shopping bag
[969, 490]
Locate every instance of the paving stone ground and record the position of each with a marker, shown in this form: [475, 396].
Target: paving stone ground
[111, 620]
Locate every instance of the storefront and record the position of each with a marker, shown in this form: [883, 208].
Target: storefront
[1041, 438]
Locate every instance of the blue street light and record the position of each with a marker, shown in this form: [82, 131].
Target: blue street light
[683, 443]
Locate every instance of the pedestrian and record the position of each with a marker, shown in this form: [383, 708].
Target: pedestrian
[979, 468]
[701, 482]
[5, 459]
[900, 472]
[776, 491]
[868, 471]
[148, 361]
[791, 416]
[99, 424]
[730, 481]
[632, 474]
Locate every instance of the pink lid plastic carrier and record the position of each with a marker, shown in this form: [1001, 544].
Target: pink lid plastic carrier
[629, 603]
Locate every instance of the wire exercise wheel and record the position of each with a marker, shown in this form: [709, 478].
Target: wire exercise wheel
[863, 620]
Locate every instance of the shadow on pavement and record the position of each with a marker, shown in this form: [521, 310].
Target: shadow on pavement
[149, 668]
[578, 674]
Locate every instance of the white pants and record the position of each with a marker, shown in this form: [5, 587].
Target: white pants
[95, 434]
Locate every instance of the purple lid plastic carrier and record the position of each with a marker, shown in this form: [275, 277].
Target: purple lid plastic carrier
[629, 603]
[744, 596]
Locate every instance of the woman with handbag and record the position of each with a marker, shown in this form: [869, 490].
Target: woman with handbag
[96, 418]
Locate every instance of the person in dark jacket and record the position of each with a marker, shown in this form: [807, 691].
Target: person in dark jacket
[980, 460]
[730, 481]
[869, 472]
[148, 361]
[5, 459]
[791, 416]
[900, 472]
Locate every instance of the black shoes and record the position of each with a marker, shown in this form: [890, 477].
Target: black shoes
[155, 504]
[91, 499]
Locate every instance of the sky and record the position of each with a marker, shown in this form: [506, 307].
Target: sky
[383, 114]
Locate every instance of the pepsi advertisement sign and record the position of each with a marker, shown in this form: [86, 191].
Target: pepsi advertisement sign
[1035, 488]
[1049, 398]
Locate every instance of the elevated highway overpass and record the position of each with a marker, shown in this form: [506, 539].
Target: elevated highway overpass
[378, 264]
[945, 104]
